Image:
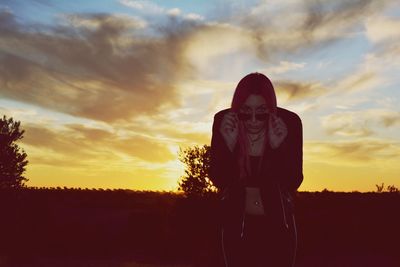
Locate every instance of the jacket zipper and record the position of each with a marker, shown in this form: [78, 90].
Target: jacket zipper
[283, 208]
[243, 215]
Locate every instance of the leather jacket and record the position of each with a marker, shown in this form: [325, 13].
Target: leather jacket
[281, 174]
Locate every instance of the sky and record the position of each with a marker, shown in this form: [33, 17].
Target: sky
[109, 91]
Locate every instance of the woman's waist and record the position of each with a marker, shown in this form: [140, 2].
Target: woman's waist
[269, 194]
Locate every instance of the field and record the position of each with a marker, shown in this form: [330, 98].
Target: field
[74, 227]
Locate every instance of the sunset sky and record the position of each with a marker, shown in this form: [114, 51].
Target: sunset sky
[107, 91]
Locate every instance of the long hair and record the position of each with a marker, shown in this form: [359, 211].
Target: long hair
[258, 84]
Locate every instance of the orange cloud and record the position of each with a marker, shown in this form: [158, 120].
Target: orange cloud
[82, 143]
[88, 71]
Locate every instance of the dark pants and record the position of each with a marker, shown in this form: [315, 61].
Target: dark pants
[263, 244]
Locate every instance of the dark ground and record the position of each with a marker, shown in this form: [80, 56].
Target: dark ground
[71, 227]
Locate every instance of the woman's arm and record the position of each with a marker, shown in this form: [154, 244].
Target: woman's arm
[290, 155]
[223, 166]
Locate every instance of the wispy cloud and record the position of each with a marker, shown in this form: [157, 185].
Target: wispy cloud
[88, 72]
[359, 123]
[151, 8]
[144, 6]
[293, 90]
[78, 142]
[355, 152]
[382, 29]
[307, 24]
[97, 66]
[283, 67]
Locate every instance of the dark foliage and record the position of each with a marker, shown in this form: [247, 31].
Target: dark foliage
[12, 158]
[334, 229]
[196, 180]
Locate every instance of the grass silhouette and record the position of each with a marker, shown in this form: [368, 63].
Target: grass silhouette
[82, 227]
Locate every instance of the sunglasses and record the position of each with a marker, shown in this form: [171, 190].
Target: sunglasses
[247, 116]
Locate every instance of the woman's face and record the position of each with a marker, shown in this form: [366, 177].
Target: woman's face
[254, 104]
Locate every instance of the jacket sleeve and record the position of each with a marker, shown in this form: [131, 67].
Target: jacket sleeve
[223, 166]
[290, 155]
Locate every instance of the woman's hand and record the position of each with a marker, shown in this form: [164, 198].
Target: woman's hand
[229, 129]
[277, 131]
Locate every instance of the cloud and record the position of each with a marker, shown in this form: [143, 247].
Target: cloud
[219, 50]
[247, 33]
[144, 6]
[82, 143]
[295, 90]
[381, 28]
[361, 79]
[174, 12]
[360, 123]
[389, 118]
[173, 128]
[92, 134]
[241, 34]
[308, 24]
[382, 32]
[96, 21]
[360, 151]
[59, 141]
[345, 124]
[193, 16]
[103, 66]
[283, 67]
[152, 9]
[147, 149]
[88, 71]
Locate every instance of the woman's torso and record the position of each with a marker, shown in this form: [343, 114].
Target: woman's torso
[254, 178]
[260, 176]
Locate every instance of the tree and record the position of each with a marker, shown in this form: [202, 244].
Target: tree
[12, 158]
[196, 181]
[380, 188]
[392, 189]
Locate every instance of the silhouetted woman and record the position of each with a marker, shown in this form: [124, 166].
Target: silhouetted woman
[256, 162]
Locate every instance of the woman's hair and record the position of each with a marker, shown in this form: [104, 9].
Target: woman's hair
[257, 84]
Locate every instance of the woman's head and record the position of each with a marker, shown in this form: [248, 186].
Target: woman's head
[254, 99]
[257, 84]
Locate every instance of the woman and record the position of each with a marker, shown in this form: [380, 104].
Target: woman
[256, 162]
